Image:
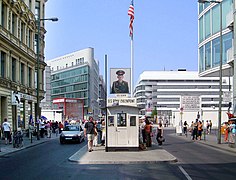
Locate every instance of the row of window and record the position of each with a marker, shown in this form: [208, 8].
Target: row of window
[18, 27]
[78, 79]
[209, 54]
[209, 23]
[25, 79]
[71, 73]
[77, 87]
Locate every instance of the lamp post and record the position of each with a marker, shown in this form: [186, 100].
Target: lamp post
[220, 67]
[38, 59]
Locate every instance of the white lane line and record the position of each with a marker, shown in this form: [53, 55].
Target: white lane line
[185, 173]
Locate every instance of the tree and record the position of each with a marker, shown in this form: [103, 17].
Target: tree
[154, 112]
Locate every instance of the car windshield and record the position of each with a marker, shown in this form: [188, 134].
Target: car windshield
[71, 128]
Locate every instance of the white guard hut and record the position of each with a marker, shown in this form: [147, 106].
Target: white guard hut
[123, 124]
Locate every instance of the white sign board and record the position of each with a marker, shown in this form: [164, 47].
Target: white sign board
[191, 102]
[227, 96]
[121, 101]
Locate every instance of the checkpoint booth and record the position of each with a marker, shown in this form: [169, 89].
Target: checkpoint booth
[123, 124]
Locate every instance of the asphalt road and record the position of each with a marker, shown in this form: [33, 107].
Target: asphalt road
[50, 161]
[199, 161]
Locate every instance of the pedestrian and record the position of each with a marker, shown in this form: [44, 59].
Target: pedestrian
[226, 138]
[60, 127]
[195, 128]
[56, 128]
[210, 126]
[200, 129]
[31, 130]
[89, 130]
[48, 129]
[160, 133]
[185, 128]
[103, 133]
[232, 132]
[148, 131]
[7, 131]
[95, 140]
[142, 129]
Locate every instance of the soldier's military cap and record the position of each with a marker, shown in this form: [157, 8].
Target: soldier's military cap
[120, 72]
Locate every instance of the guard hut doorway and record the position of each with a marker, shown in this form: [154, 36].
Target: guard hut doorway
[123, 125]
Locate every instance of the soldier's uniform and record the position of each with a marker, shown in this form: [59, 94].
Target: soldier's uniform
[120, 86]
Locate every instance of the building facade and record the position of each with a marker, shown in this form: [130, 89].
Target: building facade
[209, 38]
[76, 75]
[18, 64]
[167, 91]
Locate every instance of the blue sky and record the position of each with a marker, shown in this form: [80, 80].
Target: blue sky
[165, 32]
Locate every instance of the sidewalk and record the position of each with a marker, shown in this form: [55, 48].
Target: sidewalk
[7, 149]
[153, 154]
[211, 140]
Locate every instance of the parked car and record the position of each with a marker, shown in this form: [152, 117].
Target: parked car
[72, 133]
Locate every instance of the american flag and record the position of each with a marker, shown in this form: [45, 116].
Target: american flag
[131, 14]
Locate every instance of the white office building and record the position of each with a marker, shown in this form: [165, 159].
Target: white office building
[76, 75]
[180, 95]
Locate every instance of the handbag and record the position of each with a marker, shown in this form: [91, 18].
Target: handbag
[161, 139]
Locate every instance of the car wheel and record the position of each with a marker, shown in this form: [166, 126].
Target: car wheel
[79, 140]
[62, 142]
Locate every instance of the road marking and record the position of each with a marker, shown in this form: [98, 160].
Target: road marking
[185, 173]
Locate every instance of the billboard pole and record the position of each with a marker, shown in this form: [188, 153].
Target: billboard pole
[106, 138]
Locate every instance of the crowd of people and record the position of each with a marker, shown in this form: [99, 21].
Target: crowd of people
[147, 132]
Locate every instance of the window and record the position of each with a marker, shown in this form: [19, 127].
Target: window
[29, 77]
[22, 71]
[22, 32]
[3, 63]
[207, 25]
[14, 23]
[201, 29]
[201, 59]
[4, 15]
[13, 69]
[121, 119]
[216, 52]
[227, 44]
[208, 56]
[132, 120]
[110, 120]
[215, 19]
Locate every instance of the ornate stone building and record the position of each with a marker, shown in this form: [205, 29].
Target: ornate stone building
[18, 60]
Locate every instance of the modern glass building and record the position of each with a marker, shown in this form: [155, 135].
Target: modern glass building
[76, 75]
[209, 38]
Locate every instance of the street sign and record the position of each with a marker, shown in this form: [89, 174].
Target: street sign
[190, 102]
[227, 96]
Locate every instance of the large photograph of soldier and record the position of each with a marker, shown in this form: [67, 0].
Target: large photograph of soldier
[120, 81]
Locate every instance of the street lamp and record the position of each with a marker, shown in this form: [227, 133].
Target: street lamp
[38, 59]
[220, 68]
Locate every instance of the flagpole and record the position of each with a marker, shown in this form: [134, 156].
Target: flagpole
[131, 64]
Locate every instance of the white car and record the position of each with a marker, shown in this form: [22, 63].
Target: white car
[72, 133]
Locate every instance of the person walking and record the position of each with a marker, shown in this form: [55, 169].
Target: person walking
[160, 133]
[195, 128]
[185, 128]
[148, 131]
[200, 129]
[7, 131]
[142, 127]
[89, 130]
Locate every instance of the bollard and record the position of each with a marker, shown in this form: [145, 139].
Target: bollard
[31, 137]
[204, 135]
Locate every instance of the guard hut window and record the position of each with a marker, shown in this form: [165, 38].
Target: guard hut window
[132, 120]
[121, 119]
[110, 120]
